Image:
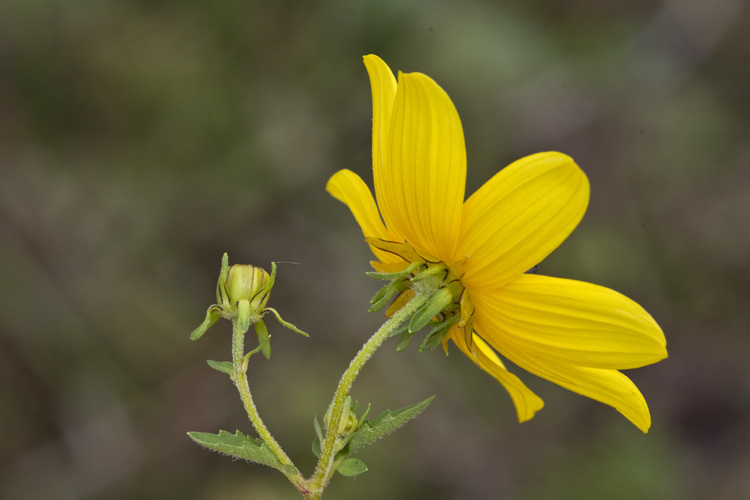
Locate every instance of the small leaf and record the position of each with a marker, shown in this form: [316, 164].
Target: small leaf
[318, 428]
[237, 445]
[222, 366]
[316, 447]
[351, 467]
[384, 424]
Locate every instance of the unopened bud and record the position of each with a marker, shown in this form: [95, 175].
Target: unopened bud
[348, 423]
[244, 282]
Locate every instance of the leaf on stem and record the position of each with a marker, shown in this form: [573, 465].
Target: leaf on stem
[384, 424]
[351, 467]
[237, 445]
[221, 366]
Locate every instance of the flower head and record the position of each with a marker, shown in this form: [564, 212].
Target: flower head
[575, 334]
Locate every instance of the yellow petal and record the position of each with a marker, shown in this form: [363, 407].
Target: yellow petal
[424, 167]
[571, 322]
[383, 86]
[606, 386]
[527, 403]
[350, 189]
[519, 216]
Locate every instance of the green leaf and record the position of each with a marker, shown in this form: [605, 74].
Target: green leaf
[351, 467]
[221, 366]
[318, 437]
[318, 429]
[237, 445]
[316, 449]
[384, 424]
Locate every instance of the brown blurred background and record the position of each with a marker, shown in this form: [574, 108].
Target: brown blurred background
[140, 140]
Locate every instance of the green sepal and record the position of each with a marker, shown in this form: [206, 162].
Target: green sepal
[434, 306]
[404, 339]
[263, 338]
[432, 270]
[351, 467]
[212, 316]
[398, 331]
[260, 299]
[437, 334]
[393, 276]
[221, 291]
[384, 424]
[243, 315]
[384, 295]
[222, 366]
[237, 445]
[285, 324]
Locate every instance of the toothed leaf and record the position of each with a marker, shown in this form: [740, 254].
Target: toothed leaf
[237, 445]
[384, 424]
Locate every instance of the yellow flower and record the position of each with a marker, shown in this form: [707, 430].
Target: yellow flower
[575, 334]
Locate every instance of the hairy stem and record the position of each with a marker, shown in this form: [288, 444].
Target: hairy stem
[324, 469]
[240, 380]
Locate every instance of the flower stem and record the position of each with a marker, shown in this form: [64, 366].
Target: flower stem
[240, 380]
[324, 469]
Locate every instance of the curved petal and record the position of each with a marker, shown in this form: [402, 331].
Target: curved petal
[606, 386]
[527, 403]
[520, 216]
[350, 189]
[383, 86]
[424, 167]
[570, 322]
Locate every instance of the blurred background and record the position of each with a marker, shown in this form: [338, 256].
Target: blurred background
[140, 140]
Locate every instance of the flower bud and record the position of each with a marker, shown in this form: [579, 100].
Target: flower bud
[349, 422]
[244, 282]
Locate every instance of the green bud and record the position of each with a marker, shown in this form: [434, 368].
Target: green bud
[244, 282]
[349, 421]
[242, 293]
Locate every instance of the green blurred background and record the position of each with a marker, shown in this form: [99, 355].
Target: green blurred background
[140, 140]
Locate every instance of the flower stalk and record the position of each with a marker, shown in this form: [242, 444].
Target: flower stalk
[325, 467]
[239, 376]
